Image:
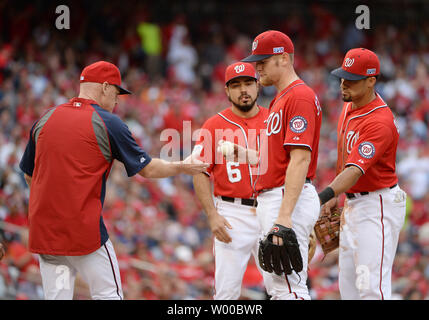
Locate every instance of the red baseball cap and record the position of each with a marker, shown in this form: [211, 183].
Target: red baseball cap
[239, 69]
[269, 43]
[103, 71]
[358, 64]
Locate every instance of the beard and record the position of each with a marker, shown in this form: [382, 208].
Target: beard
[244, 107]
[265, 81]
[346, 98]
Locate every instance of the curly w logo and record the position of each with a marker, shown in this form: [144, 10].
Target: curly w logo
[239, 68]
[274, 123]
[351, 138]
[349, 62]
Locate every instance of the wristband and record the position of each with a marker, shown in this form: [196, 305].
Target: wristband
[326, 195]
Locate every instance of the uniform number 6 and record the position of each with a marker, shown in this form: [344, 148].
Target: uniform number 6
[234, 174]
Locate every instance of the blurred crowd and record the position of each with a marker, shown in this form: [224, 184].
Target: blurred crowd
[173, 61]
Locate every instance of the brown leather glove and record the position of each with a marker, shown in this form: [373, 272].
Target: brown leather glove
[311, 246]
[327, 230]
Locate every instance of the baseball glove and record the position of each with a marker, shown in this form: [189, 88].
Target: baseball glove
[280, 258]
[327, 230]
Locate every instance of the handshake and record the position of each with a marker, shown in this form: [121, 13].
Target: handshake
[234, 152]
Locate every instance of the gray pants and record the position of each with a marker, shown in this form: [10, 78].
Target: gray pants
[98, 269]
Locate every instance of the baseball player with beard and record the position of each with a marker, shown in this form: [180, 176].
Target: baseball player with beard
[288, 205]
[375, 206]
[231, 212]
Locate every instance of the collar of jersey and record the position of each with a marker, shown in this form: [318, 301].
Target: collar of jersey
[278, 96]
[376, 103]
[229, 114]
[83, 100]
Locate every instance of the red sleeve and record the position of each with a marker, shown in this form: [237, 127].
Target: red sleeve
[204, 149]
[371, 145]
[300, 123]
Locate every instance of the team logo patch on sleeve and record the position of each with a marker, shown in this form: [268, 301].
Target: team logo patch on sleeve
[366, 150]
[298, 124]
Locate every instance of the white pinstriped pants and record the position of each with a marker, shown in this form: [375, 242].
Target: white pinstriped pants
[231, 259]
[304, 217]
[368, 241]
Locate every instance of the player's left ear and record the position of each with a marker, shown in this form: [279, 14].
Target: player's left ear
[371, 82]
[282, 59]
[105, 87]
[227, 91]
[287, 58]
[291, 58]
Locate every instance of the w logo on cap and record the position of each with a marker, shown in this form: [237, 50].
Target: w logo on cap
[239, 68]
[254, 45]
[348, 62]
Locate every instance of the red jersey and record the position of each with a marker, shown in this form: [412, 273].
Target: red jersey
[69, 155]
[294, 119]
[367, 139]
[231, 179]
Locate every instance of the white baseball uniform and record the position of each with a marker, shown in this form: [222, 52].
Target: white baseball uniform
[304, 217]
[294, 120]
[234, 196]
[368, 241]
[231, 259]
[375, 206]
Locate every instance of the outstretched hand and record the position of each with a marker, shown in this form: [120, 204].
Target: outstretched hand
[192, 166]
[237, 153]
